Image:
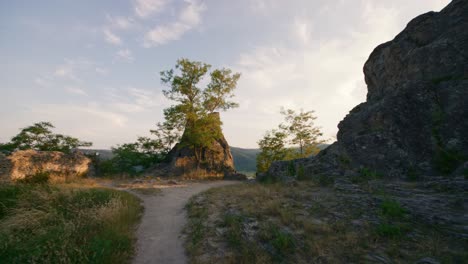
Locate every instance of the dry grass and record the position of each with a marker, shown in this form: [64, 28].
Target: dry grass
[257, 223]
[75, 223]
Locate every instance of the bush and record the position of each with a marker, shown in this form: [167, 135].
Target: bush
[392, 209]
[365, 175]
[41, 177]
[300, 173]
[388, 230]
[291, 168]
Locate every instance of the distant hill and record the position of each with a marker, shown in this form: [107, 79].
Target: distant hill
[245, 160]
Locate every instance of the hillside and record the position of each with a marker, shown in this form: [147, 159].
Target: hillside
[245, 159]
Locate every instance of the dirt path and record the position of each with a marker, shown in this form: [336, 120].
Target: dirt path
[159, 234]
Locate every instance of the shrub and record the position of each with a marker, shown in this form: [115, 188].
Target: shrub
[291, 168]
[389, 230]
[41, 177]
[300, 172]
[392, 209]
[365, 175]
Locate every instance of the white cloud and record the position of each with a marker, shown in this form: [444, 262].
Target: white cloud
[302, 30]
[111, 38]
[101, 71]
[189, 18]
[65, 71]
[126, 55]
[76, 90]
[138, 100]
[43, 81]
[145, 8]
[118, 22]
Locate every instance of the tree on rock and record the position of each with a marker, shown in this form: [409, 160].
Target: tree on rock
[194, 111]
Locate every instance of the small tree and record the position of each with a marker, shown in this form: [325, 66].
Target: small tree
[273, 147]
[40, 137]
[296, 138]
[304, 134]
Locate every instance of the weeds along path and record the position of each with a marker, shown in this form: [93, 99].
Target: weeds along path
[159, 234]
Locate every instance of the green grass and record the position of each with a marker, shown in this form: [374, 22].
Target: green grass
[389, 230]
[365, 175]
[63, 224]
[392, 209]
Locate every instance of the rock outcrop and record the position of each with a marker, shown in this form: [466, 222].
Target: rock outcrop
[216, 161]
[60, 166]
[415, 118]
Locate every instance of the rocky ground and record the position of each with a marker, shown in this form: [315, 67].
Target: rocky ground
[363, 222]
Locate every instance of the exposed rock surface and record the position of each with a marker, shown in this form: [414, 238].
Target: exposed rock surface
[29, 162]
[216, 162]
[415, 119]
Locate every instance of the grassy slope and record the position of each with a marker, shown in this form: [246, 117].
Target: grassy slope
[257, 223]
[66, 224]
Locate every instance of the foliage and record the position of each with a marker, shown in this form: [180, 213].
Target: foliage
[296, 138]
[273, 147]
[39, 136]
[302, 131]
[194, 108]
[392, 209]
[389, 230]
[365, 175]
[61, 224]
[133, 157]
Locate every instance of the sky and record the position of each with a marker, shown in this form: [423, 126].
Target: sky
[92, 67]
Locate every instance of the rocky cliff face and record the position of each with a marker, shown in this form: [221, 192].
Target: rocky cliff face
[415, 119]
[29, 162]
[216, 162]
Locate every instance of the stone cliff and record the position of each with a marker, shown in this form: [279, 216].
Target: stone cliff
[415, 118]
[59, 165]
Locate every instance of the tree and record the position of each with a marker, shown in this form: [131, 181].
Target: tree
[39, 136]
[194, 110]
[297, 137]
[305, 135]
[273, 148]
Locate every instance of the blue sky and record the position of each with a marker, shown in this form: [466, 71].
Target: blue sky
[92, 67]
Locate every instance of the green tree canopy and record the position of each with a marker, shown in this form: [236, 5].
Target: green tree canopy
[302, 130]
[195, 106]
[272, 147]
[40, 137]
[297, 137]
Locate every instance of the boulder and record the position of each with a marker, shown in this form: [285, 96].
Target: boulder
[415, 118]
[60, 166]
